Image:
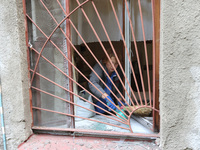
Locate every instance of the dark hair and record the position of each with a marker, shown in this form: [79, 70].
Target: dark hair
[110, 54]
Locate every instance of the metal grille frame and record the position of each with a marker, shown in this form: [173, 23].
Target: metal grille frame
[133, 101]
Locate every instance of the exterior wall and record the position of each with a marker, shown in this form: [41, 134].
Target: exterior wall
[14, 74]
[180, 74]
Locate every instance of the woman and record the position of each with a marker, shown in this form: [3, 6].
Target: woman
[107, 95]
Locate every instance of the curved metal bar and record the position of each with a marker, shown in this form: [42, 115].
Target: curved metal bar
[137, 109]
[51, 34]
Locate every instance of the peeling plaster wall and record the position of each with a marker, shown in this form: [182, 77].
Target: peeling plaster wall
[14, 74]
[180, 74]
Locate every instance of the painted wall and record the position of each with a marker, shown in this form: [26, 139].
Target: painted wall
[14, 74]
[180, 74]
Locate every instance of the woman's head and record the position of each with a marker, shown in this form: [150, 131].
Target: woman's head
[107, 63]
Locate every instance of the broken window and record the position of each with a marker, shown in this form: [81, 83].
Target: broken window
[71, 45]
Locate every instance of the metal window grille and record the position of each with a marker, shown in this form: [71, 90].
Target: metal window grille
[66, 38]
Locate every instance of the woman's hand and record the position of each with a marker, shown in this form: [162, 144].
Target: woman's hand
[104, 95]
[108, 101]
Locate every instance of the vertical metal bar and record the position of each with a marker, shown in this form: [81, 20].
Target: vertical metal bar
[123, 16]
[153, 18]
[137, 55]
[28, 55]
[68, 34]
[128, 44]
[156, 16]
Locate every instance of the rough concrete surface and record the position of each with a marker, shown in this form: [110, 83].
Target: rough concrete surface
[180, 74]
[47, 142]
[14, 73]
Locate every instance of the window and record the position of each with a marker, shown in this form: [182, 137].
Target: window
[66, 39]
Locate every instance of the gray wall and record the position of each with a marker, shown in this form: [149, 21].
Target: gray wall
[180, 74]
[14, 73]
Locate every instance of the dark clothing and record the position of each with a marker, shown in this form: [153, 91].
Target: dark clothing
[96, 81]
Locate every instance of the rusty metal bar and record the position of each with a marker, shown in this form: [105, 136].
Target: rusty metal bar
[68, 34]
[156, 44]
